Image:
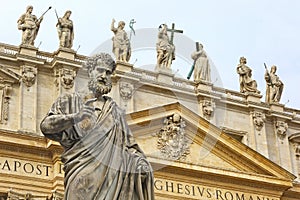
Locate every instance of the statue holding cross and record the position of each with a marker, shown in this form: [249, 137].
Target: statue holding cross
[165, 47]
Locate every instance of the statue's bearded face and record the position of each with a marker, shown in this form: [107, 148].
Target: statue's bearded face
[100, 79]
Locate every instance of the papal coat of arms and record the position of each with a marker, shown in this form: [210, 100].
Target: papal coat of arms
[172, 141]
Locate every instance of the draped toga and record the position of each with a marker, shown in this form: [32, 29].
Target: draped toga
[103, 162]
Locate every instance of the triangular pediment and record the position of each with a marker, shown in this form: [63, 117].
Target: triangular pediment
[210, 148]
[8, 76]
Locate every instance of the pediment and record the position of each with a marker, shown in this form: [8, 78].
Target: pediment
[209, 147]
[8, 76]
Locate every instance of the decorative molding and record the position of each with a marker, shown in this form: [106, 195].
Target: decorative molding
[7, 76]
[27, 196]
[56, 195]
[280, 129]
[29, 75]
[259, 119]
[126, 90]
[172, 141]
[236, 134]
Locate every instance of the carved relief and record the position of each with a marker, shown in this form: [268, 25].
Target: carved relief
[7, 79]
[280, 129]
[208, 107]
[172, 141]
[126, 90]
[297, 151]
[5, 103]
[29, 76]
[65, 77]
[258, 120]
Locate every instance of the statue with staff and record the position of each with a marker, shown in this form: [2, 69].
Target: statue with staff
[29, 24]
[201, 66]
[132, 31]
[274, 85]
[65, 30]
[121, 43]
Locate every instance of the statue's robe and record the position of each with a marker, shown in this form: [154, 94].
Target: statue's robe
[202, 67]
[274, 88]
[247, 84]
[104, 162]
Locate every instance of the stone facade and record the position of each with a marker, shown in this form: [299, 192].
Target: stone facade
[234, 146]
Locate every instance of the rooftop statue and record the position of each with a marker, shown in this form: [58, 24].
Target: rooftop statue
[65, 30]
[247, 84]
[274, 86]
[121, 43]
[165, 47]
[29, 24]
[201, 65]
[101, 158]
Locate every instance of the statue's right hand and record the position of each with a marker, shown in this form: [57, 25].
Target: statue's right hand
[87, 111]
[113, 20]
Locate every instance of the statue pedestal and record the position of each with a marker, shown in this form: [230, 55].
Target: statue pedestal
[123, 66]
[65, 53]
[28, 50]
[203, 86]
[276, 107]
[254, 97]
[165, 75]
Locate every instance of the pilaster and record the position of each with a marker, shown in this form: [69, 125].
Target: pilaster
[28, 99]
[281, 132]
[258, 130]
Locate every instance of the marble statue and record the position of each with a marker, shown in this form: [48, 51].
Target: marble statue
[29, 24]
[65, 30]
[201, 65]
[165, 49]
[274, 86]
[101, 158]
[247, 84]
[121, 43]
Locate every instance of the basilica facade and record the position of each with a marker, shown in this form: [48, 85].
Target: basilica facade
[204, 142]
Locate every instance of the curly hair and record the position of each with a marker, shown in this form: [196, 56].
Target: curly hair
[105, 58]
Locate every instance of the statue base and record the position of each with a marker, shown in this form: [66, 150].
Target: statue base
[28, 50]
[65, 53]
[124, 66]
[254, 97]
[203, 86]
[277, 107]
[164, 75]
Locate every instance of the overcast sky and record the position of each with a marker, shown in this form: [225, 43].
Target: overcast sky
[260, 30]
